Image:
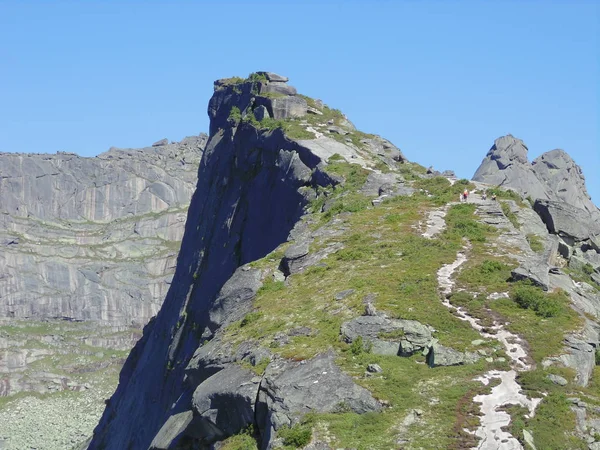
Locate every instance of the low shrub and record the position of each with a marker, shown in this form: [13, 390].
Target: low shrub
[235, 114]
[297, 436]
[250, 318]
[532, 297]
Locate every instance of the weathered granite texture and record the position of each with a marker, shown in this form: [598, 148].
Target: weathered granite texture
[93, 238]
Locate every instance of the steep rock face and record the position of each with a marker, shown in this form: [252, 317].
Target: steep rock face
[93, 238]
[253, 187]
[557, 170]
[506, 165]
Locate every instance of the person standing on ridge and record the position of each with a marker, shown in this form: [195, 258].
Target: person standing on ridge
[466, 195]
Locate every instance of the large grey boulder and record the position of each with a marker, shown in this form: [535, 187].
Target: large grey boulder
[225, 402]
[579, 356]
[557, 170]
[506, 164]
[440, 355]
[290, 390]
[571, 223]
[172, 431]
[380, 183]
[534, 270]
[234, 300]
[285, 107]
[279, 88]
[384, 336]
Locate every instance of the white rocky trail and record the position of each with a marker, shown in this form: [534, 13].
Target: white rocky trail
[508, 391]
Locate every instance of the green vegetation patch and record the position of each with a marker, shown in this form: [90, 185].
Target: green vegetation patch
[440, 188]
[461, 223]
[506, 194]
[535, 243]
[245, 440]
[296, 436]
[511, 216]
[532, 297]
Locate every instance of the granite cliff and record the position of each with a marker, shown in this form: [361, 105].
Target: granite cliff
[93, 238]
[331, 294]
[87, 252]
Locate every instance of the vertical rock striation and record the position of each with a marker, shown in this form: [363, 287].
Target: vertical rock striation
[93, 238]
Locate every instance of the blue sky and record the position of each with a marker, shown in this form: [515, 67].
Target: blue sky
[441, 80]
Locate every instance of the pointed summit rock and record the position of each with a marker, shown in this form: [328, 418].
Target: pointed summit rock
[506, 165]
[553, 180]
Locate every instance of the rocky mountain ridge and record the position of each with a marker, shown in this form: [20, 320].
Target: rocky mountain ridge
[331, 294]
[355, 293]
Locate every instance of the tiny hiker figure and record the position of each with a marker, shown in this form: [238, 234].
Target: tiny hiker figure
[484, 196]
[466, 195]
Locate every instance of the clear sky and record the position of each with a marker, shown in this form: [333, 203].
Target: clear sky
[441, 80]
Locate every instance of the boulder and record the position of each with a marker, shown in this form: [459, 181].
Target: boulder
[376, 181]
[374, 368]
[235, 298]
[172, 431]
[439, 355]
[571, 223]
[406, 337]
[534, 271]
[290, 390]
[261, 113]
[160, 143]
[579, 356]
[277, 87]
[225, 402]
[557, 379]
[297, 257]
[285, 107]
[294, 258]
[577, 263]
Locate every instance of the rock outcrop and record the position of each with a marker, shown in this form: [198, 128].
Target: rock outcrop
[254, 184]
[93, 238]
[281, 242]
[552, 176]
[507, 165]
